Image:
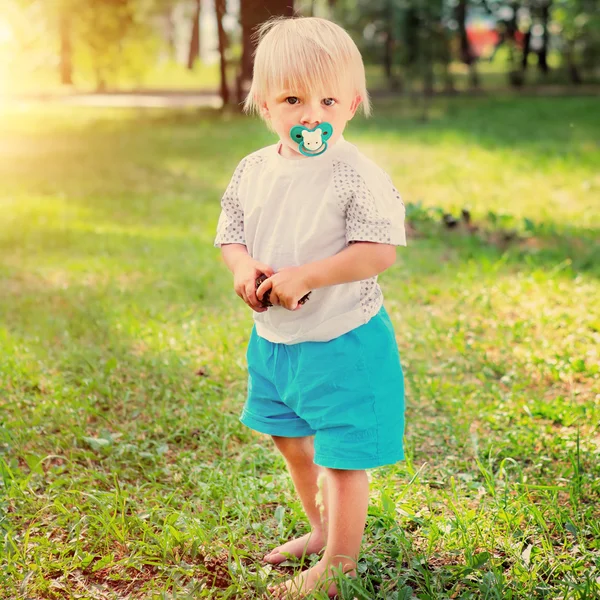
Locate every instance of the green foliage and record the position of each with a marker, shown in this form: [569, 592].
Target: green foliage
[117, 42]
[579, 22]
[114, 37]
[110, 39]
[425, 32]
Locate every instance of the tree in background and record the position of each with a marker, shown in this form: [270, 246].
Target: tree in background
[66, 49]
[467, 55]
[544, 8]
[103, 27]
[409, 39]
[31, 21]
[102, 38]
[252, 14]
[414, 41]
[220, 8]
[570, 27]
[578, 23]
[194, 51]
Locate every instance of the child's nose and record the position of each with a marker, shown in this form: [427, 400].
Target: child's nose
[310, 122]
[311, 117]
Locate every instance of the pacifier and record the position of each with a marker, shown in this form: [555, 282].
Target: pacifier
[311, 142]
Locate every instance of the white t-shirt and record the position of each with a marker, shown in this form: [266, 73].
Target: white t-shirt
[292, 212]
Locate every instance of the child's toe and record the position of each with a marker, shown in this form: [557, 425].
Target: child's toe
[273, 590]
[279, 591]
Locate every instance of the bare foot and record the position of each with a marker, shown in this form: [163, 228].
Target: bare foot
[315, 578]
[310, 543]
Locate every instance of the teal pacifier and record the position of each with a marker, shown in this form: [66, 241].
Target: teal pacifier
[311, 142]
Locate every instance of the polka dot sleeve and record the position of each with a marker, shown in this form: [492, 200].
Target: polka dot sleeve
[230, 228]
[373, 207]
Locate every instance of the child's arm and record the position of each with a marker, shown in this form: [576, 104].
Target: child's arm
[245, 271]
[360, 260]
[233, 254]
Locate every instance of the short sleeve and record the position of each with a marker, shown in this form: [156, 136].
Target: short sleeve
[230, 228]
[374, 211]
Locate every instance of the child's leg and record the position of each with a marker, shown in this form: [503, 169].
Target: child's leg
[298, 454]
[348, 504]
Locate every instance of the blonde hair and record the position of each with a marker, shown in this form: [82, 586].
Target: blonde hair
[305, 53]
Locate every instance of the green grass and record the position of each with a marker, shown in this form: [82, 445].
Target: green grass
[125, 473]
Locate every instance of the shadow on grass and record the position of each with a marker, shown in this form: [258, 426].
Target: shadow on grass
[565, 249]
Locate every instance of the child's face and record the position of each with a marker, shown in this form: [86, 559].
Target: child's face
[286, 108]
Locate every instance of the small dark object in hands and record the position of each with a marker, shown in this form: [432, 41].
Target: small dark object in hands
[265, 299]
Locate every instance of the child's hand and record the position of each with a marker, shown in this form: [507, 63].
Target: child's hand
[287, 287]
[244, 281]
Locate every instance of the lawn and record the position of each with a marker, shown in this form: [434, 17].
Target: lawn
[124, 472]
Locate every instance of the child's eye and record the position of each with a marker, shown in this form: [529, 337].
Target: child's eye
[329, 101]
[291, 100]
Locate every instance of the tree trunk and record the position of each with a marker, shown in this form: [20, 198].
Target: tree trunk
[220, 10]
[446, 61]
[444, 54]
[515, 75]
[427, 57]
[101, 85]
[66, 54]
[574, 74]
[412, 26]
[388, 53]
[169, 31]
[194, 51]
[466, 52]
[526, 49]
[543, 52]
[252, 14]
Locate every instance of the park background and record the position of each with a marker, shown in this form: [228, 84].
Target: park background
[124, 472]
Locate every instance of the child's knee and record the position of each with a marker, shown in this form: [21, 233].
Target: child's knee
[295, 450]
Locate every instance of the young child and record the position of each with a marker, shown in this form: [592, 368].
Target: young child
[325, 379]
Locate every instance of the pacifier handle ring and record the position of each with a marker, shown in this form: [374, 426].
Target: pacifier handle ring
[303, 151]
[300, 133]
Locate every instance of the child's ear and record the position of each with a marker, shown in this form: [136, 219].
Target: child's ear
[264, 110]
[354, 106]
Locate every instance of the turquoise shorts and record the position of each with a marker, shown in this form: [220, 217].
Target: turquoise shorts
[348, 393]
